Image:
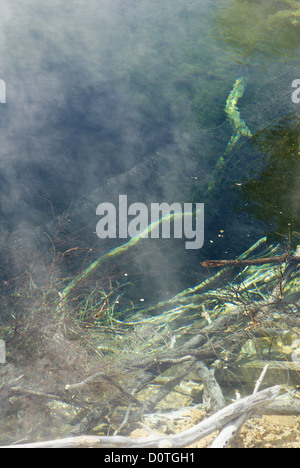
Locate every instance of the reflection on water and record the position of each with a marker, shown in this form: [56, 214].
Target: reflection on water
[275, 193]
[169, 101]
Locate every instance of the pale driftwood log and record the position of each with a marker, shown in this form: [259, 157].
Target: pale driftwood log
[287, 404]
[229, 432]
[182, 439]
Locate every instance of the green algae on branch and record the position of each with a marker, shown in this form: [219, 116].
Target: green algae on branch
[113, 254]
[263, 296]
[239, 127]
[233, 114]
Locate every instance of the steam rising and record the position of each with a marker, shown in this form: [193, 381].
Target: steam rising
[69, 122]
[98, 92]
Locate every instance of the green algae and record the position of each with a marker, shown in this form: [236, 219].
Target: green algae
[270, 27]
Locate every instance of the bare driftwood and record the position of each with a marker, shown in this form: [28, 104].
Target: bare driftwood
[182, 439]
[230, 430]
[286, 404]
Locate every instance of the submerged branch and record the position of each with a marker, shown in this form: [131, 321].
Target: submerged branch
[113, 254]
[253, 261]
[230, 430]
[104, 376]
[182, 439]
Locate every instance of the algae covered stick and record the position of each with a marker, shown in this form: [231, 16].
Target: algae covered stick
[238, 125]
[113, 254]
[253, 261]
[234, 117]
[233, 113]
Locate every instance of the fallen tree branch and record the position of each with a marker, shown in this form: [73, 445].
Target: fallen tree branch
[286, 404]
[16, 391]
[254, 261]
[213, 396]
[168, 387]
[104, 376]
[114, 253]
[182, 439]
[229, 432]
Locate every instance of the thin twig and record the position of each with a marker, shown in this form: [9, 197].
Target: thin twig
[103, 375]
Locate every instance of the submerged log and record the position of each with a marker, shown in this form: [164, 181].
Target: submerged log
[281, 372]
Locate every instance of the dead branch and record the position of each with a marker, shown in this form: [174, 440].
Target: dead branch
[286, 404]
[213, 398]
[230, 430]
[254, 261]
[182, 439]
[168, 387]
[102, 375]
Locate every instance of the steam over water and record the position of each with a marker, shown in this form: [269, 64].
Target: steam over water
[144, 103]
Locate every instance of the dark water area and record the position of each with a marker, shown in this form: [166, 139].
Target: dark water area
[97, 90]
